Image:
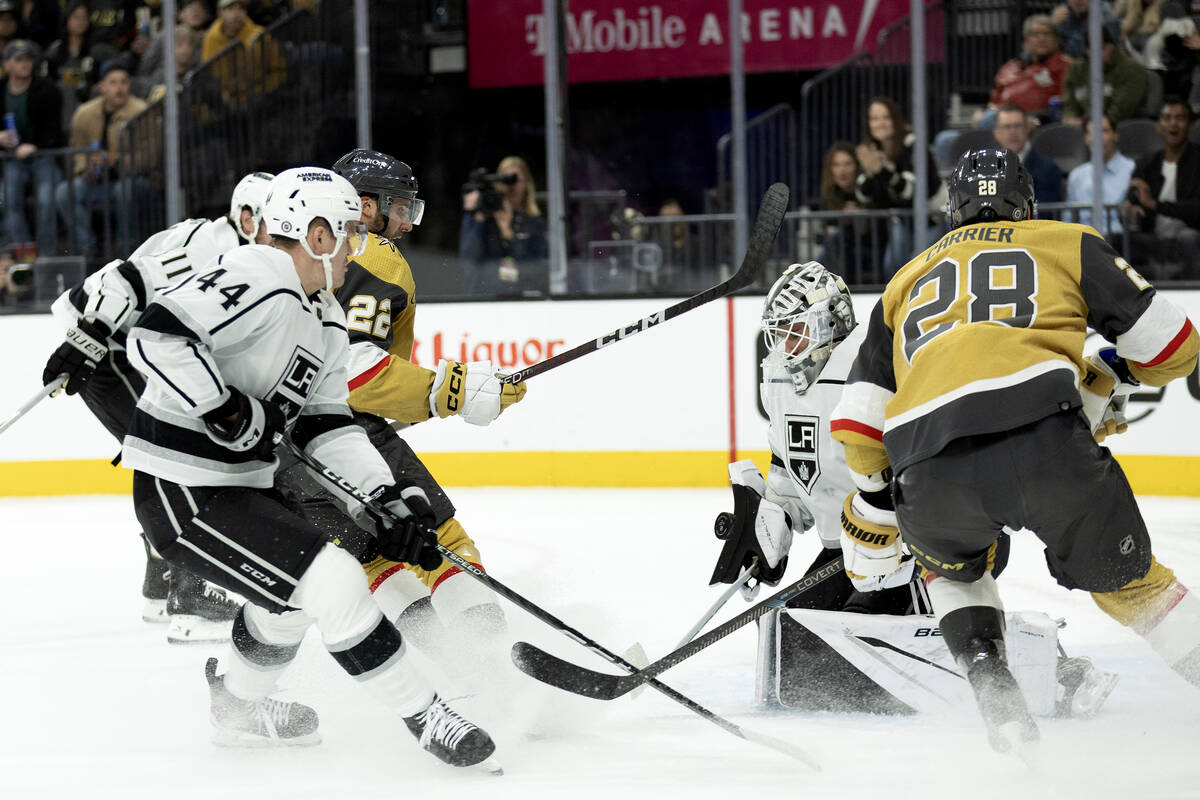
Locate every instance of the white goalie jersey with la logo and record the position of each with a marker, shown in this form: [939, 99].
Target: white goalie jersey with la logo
[808, 476]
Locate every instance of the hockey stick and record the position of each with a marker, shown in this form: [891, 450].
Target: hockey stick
[721, 601]
[43, 393]
[766, 227]
[478, 574]
[552, 670]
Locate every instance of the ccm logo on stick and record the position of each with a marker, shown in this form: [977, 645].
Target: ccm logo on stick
[258, 576]
[629, 330]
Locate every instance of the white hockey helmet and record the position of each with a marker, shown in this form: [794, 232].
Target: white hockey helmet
[806, 313]
[299, 195]
[250, 192]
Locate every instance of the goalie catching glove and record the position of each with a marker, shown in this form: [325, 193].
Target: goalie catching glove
[871, 548]
[1105, 388]
[405, 532]
[760, 530]
[78, 356]
[471, 390]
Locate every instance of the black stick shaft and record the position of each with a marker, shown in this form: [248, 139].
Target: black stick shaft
[545, 616]
[766, 227]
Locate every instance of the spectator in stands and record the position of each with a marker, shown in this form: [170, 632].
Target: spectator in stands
[1139, 19]
[1163, 210]
[1031, 80]
[264, 62]
[151, 87]
[268, 12]
[502, 243]
[849, 247]
[1125, 83]
[677, 243]
[36, 106]
[114, 22]
[1171, 50]
[1071, 18]
[1117, 171]
[193, 14]
[8, 22]
[1012, 131]
[39, 20]
[72, 60]
[96, 181]
[887, 179]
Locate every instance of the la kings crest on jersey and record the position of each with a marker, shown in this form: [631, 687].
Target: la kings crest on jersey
[803, 456]
[296, 382]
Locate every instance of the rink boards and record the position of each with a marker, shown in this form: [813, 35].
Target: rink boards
[665, 407]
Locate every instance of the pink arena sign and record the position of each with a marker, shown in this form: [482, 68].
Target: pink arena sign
[615, 40]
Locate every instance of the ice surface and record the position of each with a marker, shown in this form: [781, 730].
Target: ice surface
[95, 704]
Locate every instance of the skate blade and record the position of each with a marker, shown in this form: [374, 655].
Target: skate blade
[155, 610]
[189, 629]
[222, 737]
[491, 766]
[1091, 695]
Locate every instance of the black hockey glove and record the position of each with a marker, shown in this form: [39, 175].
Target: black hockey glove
[78, 356]
[246, 425]
[407, 532]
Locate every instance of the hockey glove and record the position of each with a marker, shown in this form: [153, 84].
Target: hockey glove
[78, 356]
[472, 390]
[760, 529]
[406, 530]
[871, 548]
[246, 425]
[1105, 388]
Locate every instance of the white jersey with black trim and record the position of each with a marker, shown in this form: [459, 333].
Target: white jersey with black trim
[121, 290]
[243, 321]
[808, 476]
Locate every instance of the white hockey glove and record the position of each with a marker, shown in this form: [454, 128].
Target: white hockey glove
[874, 557]
[472, 390]
[1105, 388]
[772, 529]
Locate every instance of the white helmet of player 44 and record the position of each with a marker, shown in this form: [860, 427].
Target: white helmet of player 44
[807, 312]
[250, 192]
[298, 196]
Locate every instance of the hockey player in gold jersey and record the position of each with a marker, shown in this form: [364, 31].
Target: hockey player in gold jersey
[972, 406]
[379, 299]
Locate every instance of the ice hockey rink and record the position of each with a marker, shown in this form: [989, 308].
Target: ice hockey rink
[95, 704]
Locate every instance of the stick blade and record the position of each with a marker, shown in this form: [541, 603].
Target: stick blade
[766, 228]
[554, 671]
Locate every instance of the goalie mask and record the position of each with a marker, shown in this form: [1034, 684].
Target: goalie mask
[807, 312]
[250, 193]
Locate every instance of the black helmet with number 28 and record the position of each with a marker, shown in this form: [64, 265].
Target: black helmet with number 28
[990, 185]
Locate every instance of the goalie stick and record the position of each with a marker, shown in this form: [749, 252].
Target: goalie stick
[552, 670]
[766, 227]
[43, 393]
[343, 485]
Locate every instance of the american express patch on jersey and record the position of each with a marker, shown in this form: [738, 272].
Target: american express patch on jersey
[803, 460]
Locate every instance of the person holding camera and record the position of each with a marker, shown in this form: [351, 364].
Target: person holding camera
[1162, 211]
[502, 243]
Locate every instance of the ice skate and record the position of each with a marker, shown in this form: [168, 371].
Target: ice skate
[256, 723]
[1010, 727]
[155, 586]
[448, 736]
[1082, 687]
[199, 611]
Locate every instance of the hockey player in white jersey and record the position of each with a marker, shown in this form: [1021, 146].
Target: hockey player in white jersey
[97, 314]
[251, 345]
[812, 339]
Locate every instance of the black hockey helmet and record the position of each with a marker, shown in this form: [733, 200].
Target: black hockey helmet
[383, 177]
[990, 185]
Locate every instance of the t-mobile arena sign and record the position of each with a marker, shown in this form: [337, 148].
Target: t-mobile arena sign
[618, 40]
